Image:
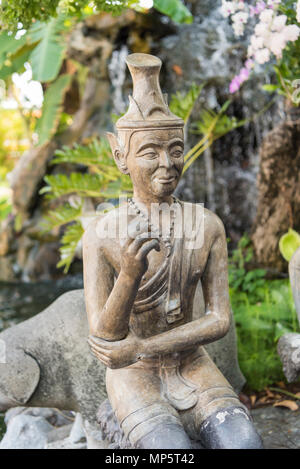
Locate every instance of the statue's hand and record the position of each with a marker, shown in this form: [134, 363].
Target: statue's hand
[116, 354]
[134, 251]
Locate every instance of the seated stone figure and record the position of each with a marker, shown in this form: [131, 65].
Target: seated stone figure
[140, 284]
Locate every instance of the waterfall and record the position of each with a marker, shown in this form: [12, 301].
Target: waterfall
[117, 73]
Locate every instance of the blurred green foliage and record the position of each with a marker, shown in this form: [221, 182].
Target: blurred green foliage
[264, 310]
[98, 178]
[14, 12]
[12, 145]
[289, 243]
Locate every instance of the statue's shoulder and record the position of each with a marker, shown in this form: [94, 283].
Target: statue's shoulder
[212, 224]
[98, 226]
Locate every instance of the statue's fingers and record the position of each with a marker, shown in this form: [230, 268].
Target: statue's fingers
[138, 242]
[146, 248]
[136, 227]
[99, 348]
[102, 358]
[103, 344]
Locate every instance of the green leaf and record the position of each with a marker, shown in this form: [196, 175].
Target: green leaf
[15, 62]
[70, 240]
[182, 104]
[289, 243]
[52, 108]
[61, 216]
[175, 9]
[270, 88]
[9, 45]
[46, 58]
[84, 185]
[280, 330]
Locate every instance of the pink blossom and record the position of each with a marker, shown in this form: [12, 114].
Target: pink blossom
[244, 74]
[234, 86]
[262, 56]
[277, 44]
[291, 32]
[262, 29]
[257, 42]
[279, 23]
[249, 64]
[266, 16]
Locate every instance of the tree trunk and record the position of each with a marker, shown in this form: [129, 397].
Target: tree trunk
[278, 191]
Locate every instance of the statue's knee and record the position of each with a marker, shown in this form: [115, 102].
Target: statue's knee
[165, 436]
[230, 429]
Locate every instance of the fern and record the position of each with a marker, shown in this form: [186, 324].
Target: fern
[103, 181]
[96, 155]
[182, 104]
[84, 185]
[70, 241]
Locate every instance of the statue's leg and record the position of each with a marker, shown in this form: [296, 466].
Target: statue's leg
[160, 429]
[229, 428]
[147, 420]
[219, 419]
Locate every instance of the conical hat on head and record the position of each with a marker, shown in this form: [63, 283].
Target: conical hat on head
[148, 106]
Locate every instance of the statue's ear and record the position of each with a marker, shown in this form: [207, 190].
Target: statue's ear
[118, 153]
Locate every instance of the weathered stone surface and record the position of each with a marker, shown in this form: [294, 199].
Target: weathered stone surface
[49, 363]
[278, 427]
[55, 417]
[59, 434]
[294, 272]
[289, 345]
[54, 342]
[65, 444]
[77, 434]
[26, 432]
[289, 351]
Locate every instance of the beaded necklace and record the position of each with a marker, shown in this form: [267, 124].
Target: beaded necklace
[166, 239]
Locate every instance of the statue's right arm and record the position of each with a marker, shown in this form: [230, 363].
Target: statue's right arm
[109, 304]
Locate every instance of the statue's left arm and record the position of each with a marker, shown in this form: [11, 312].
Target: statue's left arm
[215, 323]
[212, 326]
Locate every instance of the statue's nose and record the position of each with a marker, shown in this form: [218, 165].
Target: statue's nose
[165, 161]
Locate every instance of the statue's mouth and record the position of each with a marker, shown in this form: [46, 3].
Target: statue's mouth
[165, 180]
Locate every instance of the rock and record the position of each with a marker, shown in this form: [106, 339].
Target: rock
[206, 51]
[77, 434]
[59, 434]
[13, 412]
[26, 432]
[65, 444]
[7, 271]
[49, 363]
[289, 351]
[53, 416]
[278, 427]
[294, 272]
[289, 344]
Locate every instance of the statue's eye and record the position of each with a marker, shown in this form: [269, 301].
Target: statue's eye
[176, 153]
[150, 155]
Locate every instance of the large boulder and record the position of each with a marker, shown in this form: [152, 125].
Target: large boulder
[47, 361]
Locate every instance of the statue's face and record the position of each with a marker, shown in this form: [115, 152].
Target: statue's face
[155, 161]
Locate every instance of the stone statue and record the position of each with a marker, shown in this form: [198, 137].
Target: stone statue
[140, 284]
[289, 344]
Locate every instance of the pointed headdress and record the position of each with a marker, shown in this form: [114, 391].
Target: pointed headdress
[148, 106]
